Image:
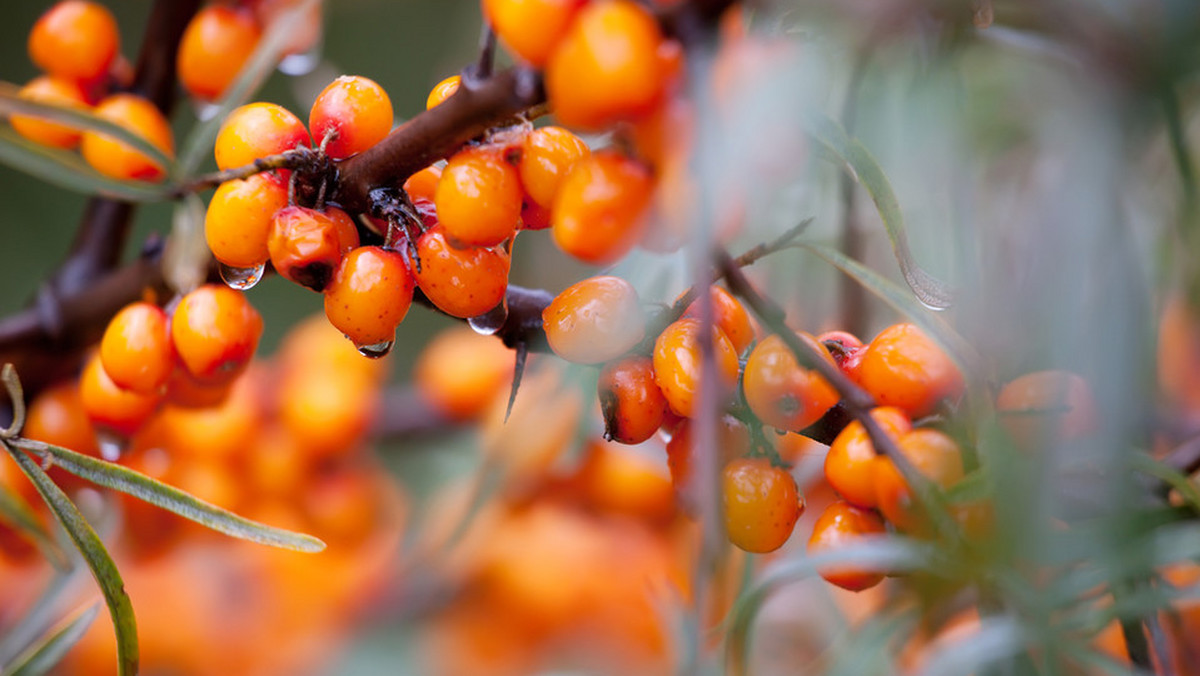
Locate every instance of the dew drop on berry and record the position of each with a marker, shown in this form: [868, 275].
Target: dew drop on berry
[112, 446]
[242, 278]
[491, 321]
[375, 350]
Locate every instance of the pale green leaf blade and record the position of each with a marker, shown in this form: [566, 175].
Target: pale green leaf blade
[1173, 477]
[41, 657]
[17, 514]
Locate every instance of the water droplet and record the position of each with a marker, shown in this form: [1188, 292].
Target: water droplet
[302, 63]
[377, 350]
[491, 321]
[111, 445]
[242, 278]
[204, 110]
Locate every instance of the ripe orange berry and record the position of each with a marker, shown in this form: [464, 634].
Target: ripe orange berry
[782, 393]
[356, 111]
[239, 217]
[531, 29]
[136, 349]
[730, 315]
[185, 391]
[903, 367]
[112, 157]
[215, 331]
[935, 455]
[461, 282]
[222, 431]
[677, 363]
[369, 295]
[594, 321]
[461, 371]
[216, 44]
[633, 406]
[75, 40]
[733, 441]
[423, 184]
[547, 155]
[1047, 407]
[110, 407]
[56, 416]
[257, 130]
[442, 91]
[599, 212]
[306, 245]
[840, 525]
[849, 465]
[47, 89]
[478, 198]
[606, 68]
[761, 503]
[328, 411]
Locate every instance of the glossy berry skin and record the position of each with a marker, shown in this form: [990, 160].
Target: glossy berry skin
[677, 363]
[369, 295]
[215, 331]
[75, 40]
[606, 68]
[761, 504]
[239, 217]
[461, 282]
[216, 44]
[54, 91]
[633, 406]
[257, 130]
[849, 465]
[136, 349]
[1047, 407]
[547, 155]
[117, 160]
[903, 367]
[782, 393]
[841, 525]
[599, 211]
[935, 455]
[442, 91]
[478, 198]
[531, 29]
[306, 245]
[730, 315]
[594, 320]
[356, 111]
[423, 184]
[110, 407]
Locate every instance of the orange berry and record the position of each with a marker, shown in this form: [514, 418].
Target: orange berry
[761, 503]
[112, 157]
[185, 391]
[136, 349]
[56, 416]
[222, 431]
[369, 295]
[216, 44]
[677, 363]
[478, 198]
[423, 184]
[531, 29]
[75, 40]
[903, 367]
[594, 321]
[599, 212]
[730, 315]
[733, 441]
[442, 91]
[355, 111]
[461, 282]
[328, 411]
[1047, 407]
[460, 372]
[934, 455]
[547, 155]
[306, 245]
[782, 393]
[59, 92]
[257, 130]
[109, 406]
[840, 525]
[621, 480]
[215, 331]
[314, 343]
[238, 220]
[633, 406]
[849, 465]
[606, 68]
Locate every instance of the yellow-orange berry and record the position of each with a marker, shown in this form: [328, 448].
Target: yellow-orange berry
[442, 91]
[761, 503]
[306, 245]
[903, 367]
[216, 44]
[547, 155]
[932, 453]
[461, 282]
[782, 393]
[136, 349]
[733, 441]
[215, 331]
[1047, 407]
[478, 198]
[350, 115]
[599, 211]
[730, 315]
[112, 157]
[677, 363]
[461, 371]
[56, 91]
[423, 184]
[75, 40]
[531, 29]
[238, 220]
[110, 407]
[257, 130]
[849, 465]
[841, 525]
[595, 320]
[633, 406]
[369, 296]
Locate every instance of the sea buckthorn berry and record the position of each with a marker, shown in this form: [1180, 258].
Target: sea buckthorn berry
[677, 363]
[903, 367]
[58, 92]
[57, 416]
[306, 245]
[843, 345]
[369, 295]
[216, 44]
[112, 157]
[215, 331]
[136, 349]
[460, 372]
[185, 391]
[606, 68]
[761, 502]
[599, 213]
[478, 198]
[110, 407]
[423, 184]
[75, 40]
[935, 455]
[547, 155]
[461, 282]
[257, 130]
[221, 431]
[730, 315]
[238, 221]
[355, 112]
[782, 393]
[841, 525]
[442, 91]
[733, 441]
[594, 321]
[620, 480]
[531, 29]
[633, 406]
[534, 216]
[849, 465]
[1047, 407]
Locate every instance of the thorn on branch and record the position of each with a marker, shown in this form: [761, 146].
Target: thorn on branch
[518, 373]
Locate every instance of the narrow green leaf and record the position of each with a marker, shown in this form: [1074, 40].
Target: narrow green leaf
[1174, 478]
[17, 513]
[41, 657]
[930, 290]
[973, 487]
[96, 556]
[38, 618]
[140, 486]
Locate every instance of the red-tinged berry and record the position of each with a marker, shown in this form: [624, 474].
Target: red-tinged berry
[350, 115]
[306, 245]
[633, 406]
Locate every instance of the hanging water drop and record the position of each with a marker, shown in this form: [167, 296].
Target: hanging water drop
[302, 63]
[204, 110]
[111, 445]
[376, 350]
[491, 321]
[242, 279]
